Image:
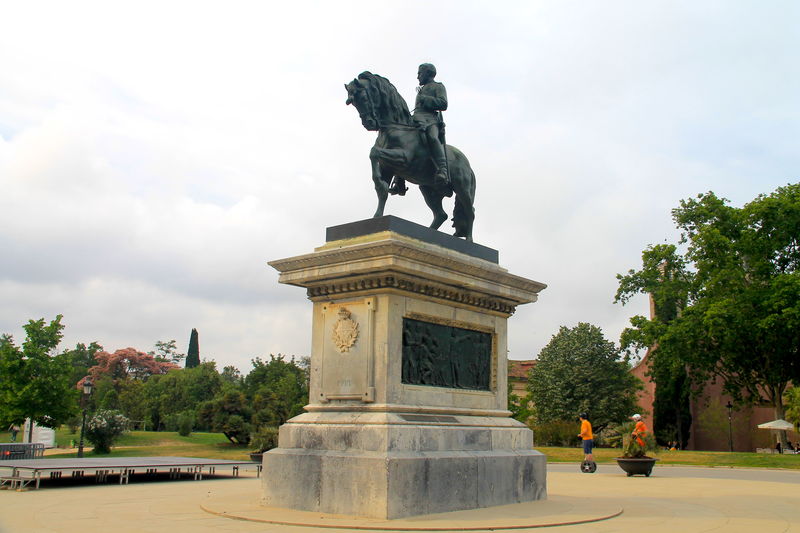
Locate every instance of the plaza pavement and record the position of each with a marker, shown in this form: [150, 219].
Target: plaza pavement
[673, 499]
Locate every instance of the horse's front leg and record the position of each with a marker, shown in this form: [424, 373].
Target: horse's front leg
[381, 184]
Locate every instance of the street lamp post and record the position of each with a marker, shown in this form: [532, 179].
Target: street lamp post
[87, 391]
[729, 406]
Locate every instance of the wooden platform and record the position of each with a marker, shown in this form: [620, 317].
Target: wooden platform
[20, 474]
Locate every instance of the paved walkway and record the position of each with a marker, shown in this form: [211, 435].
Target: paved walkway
[674, 499]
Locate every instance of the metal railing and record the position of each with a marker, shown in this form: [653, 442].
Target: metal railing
[27, 450]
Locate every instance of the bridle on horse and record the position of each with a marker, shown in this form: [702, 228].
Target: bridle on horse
[373, 114]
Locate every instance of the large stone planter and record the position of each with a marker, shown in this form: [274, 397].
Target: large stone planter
[637, 465]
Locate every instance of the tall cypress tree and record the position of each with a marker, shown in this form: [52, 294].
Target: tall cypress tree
[193, 354]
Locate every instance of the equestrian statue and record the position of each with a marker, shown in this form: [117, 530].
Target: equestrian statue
[412, 147]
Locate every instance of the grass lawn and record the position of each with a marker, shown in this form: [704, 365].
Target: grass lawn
[216, 446]
[157, 443]
[681, 457]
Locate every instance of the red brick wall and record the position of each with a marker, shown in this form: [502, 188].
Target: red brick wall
[648, 395]
[710, 424]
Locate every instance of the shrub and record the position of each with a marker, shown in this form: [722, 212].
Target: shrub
[556, 433]
[104, 428]
[265, 438]
[182, 422]
[185, 423]
[621, 435]
[170, 422]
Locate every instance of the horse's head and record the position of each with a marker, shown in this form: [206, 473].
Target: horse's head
[358, 95]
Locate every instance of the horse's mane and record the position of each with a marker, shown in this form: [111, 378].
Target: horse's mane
[390, 105]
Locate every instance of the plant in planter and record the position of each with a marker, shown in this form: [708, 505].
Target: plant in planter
[634, 458]
[262, 440]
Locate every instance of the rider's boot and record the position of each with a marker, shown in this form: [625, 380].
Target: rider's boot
[441, 178]
[398, 187]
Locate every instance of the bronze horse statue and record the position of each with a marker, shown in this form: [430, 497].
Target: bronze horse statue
[401, 150]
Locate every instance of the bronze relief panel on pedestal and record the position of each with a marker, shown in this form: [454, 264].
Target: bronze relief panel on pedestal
[443, 355]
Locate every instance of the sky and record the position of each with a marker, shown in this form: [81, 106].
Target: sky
[155, 155]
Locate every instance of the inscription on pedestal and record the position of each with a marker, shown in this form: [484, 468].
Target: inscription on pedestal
[441, 355]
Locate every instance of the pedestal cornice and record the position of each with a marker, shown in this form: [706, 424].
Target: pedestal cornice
[390, 262]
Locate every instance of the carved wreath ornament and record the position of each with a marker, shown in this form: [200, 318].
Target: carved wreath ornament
[345, 331]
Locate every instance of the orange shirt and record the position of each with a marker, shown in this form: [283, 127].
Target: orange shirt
[640, 428]
[586, 430]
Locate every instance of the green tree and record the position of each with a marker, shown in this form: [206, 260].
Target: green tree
[167, 351]
[229, 414]
[519, 407]
[180, 391]
[278, 390]
[231, 376]
[580, 371]
[792, 401]
[82, 359]
[35, 381]
[740, 320]
[665, 277]
[193, 354]
[132, 402]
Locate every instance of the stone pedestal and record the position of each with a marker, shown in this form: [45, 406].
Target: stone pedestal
[407, 411]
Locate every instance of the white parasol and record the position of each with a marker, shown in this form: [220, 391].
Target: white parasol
[779, 424]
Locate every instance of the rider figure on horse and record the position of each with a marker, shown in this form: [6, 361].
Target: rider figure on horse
[431, 101]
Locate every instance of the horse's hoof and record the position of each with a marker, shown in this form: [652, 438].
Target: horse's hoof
[437, 221]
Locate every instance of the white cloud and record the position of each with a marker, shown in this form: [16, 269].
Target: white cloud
[154, 157]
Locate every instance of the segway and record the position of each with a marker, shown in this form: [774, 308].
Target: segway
[588, 467]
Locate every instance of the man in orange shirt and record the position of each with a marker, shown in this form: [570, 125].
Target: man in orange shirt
[588, 439]
[640, 430]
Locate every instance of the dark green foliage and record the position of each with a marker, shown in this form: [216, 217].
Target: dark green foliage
[519, 407]
[665, 277]
[35, 381]
[231, 376]
[82, 359]
[110, 400]
[729, 307]
[149, 391]
[193, 353]
[229, 414]
[167, 351]
[672, 415]
[278, 390]
[179, 391]
[556, 433]
[580, 371]
[264, 439]
[185, 423]
[792, 400]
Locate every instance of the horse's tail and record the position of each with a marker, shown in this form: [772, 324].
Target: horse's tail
[464, 208]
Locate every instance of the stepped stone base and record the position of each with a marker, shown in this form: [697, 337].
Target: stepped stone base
[457, 470]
